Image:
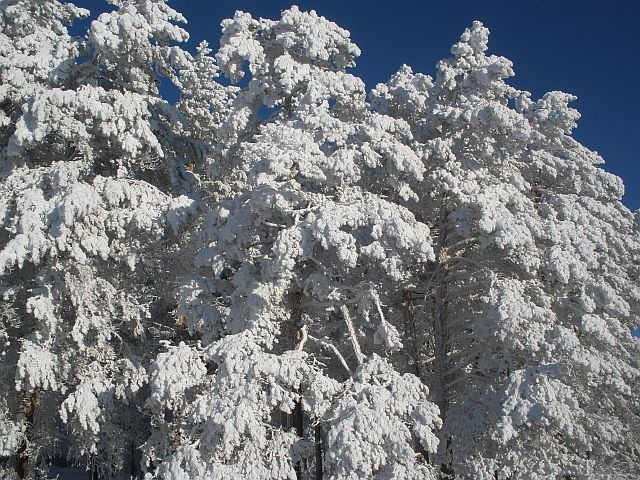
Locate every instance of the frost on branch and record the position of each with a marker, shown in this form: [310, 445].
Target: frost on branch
[51, 210]
[92, 120]
[89, 222]
[369, 435]
[134, 39]
[233, 416]
[172, 374]
[204, 102]
[36, 51]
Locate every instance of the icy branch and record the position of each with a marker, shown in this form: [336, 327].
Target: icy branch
[352, 334]
[333, 348]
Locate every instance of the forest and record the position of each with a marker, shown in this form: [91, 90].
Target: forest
[284, 275]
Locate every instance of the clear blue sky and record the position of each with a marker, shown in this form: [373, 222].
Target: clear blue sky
[585, 47]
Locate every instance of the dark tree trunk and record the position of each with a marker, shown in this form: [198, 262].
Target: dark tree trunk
[440, 315]
[319, 452]
[413, 343]
[27, 411]
[295, 420]
[441, 333]
[298, 424]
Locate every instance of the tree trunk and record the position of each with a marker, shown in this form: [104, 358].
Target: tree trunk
[298, 424]
[413, 343]
[440, 331]
[27, 410]
[319, 452]
[295, 420]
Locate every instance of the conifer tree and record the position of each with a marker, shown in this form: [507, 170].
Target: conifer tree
[279, 279]
[83, 215]
[531, 299]
[301, 254]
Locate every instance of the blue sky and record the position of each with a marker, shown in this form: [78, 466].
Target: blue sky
[588, 48]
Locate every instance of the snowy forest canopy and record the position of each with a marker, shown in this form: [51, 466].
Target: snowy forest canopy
[282, 275]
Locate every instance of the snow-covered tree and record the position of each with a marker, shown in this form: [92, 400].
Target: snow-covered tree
[89, 226]
[439, 282]
[37, 52]
[294, 347]
[530, 301]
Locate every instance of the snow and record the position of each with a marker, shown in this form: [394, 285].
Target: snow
[432, 276]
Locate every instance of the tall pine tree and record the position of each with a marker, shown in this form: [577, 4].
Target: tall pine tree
[293, 376]
[531, 300]
[84, 213]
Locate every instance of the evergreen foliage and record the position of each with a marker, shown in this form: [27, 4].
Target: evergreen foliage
[284, 276]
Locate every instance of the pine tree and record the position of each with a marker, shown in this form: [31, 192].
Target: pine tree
[84, 216]
[280, 279]
[530, 302]
[301, 254]
[37, 52]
